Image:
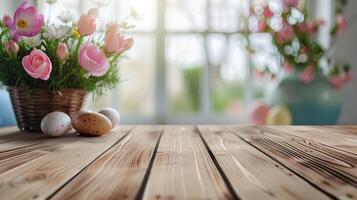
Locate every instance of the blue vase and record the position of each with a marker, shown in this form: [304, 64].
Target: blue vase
[314, 103]
[7, 117]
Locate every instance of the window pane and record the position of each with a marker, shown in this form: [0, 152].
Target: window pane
[58, 8]
[120, 10]
[137, 73]
[228, 75]
[185, 15]
[135, 92]
[185, 60]
[97, 103]
[229, 15]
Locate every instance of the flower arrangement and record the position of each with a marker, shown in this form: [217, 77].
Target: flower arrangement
[35, 54]
[294, 35]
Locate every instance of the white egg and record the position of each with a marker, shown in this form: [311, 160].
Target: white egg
[55, 124]
[112, 114]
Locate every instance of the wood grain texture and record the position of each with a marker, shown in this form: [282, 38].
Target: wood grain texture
[183, 162]
[39, 178]
[252, 174]
[329, 169]
[183, 169]
[119, 173]
[342, 137]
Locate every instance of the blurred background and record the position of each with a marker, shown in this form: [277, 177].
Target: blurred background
[190, 62]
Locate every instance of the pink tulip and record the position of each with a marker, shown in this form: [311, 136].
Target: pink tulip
[307, 75]
[93, 59]
[62, 52]
[112, 27]
[87, 23]
[37, 65]
[12, 48]
[27, 22]
[114, 42]
[128, 43]
[341, 24]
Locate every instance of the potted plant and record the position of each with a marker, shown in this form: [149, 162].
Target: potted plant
[48, 67]
[309, 77]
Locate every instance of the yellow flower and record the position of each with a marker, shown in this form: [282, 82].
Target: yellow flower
[75, 33]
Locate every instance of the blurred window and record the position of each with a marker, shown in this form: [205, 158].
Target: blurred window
[190, 62]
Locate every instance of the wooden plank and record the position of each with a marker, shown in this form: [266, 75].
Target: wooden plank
[119, 173]
[333, 136]
[335, 173]
[183, 168]
[17, 160]
[22, 148]
[251, 173]
[312, 140]
[8, 130]
[41, 177]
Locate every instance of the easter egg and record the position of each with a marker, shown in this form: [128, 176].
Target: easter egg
[91, 124]
[74, 116]
[279, 115]
[258, 113]
[55, 124]
[112, 115]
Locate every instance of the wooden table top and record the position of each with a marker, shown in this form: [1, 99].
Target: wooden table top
[182, 162]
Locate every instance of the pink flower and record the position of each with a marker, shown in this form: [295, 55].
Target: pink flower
[27, 22]
[112, 27]
[114, 42]
[62, 52]
[288, 67]
[128, 43]
[7, 21]
[12, 48]
[341, 24]
[37, 65]
[291, 3]
[339, 80]
[311, 26]
[336, 81]
[262, 26]
[87, 22]
[93, 59]
[285, 34]
[307, 75]
[267, 12]
[347, 77]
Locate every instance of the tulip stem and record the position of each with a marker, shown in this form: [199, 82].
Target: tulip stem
[80, 40]
[60, 69]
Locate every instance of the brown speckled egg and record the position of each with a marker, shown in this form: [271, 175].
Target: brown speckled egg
[91, 124]
[76, 114]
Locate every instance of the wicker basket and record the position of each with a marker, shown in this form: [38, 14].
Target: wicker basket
[31, 105]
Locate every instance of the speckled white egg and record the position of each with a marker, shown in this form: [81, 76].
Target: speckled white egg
[55, 124]
[112, 114]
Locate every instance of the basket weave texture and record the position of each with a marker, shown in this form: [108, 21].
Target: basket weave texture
[31, 105]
